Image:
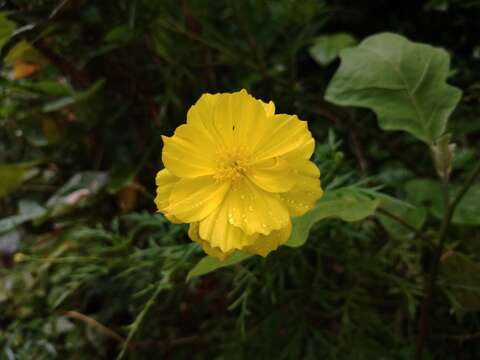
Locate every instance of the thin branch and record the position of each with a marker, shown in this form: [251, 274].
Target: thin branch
[165, 346]
[423, 327]
[139, 319]
[402, 222]
[95, 324]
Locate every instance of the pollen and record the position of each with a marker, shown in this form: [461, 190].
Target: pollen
[232, 165]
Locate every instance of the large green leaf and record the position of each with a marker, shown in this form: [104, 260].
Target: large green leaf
[349, 204]
[403, 82]
[209, 264]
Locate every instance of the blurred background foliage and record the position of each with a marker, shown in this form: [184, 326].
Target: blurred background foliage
[88, 87]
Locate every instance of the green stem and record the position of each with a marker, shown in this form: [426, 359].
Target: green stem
[419, 234]
[450, 208]
[337, 161]
[139, 318]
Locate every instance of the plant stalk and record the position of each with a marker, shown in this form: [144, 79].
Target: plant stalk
[450, 207]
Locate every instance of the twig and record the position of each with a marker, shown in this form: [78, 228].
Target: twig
[450, 207]
[358, 152]
[402, 222]
[94, 323]
[167, 345]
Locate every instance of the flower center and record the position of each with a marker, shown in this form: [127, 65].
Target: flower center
[232, 165]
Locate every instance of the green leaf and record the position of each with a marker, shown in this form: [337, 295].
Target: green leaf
[74, 99]
[326, 48]
[209, 264]
[27, 210]
[12, 176]
[7, 28]
[24, 51]
[348, 204]
[428, 193]
[461, 277]
[120, 34]
[48, 87]
[77, 192]
[403, 82]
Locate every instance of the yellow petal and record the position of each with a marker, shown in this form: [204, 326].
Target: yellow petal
[267, 243]
[194, 199]
[255, 210]
[303, 196]
[190, 152]
[273, 175]
[269, 108]
[209, 250]
[304, 151]
[165, 182]
[231, 119]
[217, 230]
[286, 134]
[200, 116]
[240, 120]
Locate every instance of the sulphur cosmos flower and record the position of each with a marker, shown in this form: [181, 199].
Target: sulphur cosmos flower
[237, 172]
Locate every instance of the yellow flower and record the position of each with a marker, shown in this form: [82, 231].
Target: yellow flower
[237, 172]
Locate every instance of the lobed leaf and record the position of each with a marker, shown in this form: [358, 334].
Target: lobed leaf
[403, 82]
[326, 48]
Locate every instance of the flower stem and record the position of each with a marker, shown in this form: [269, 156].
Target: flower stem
[450, 207]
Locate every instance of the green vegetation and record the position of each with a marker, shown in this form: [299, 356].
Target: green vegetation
[386, 266]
